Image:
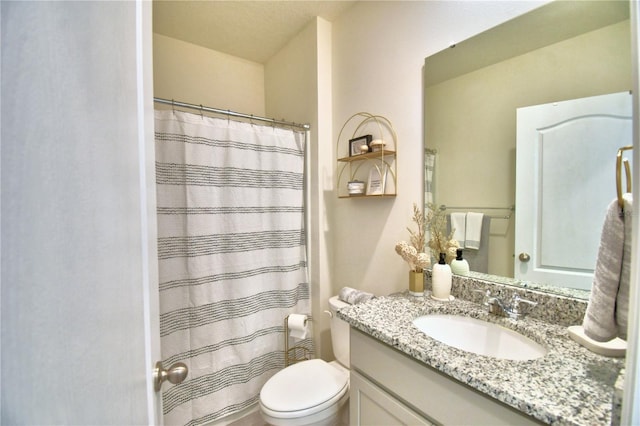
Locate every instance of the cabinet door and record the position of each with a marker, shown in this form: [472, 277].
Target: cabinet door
[370, 405]
[431, 394]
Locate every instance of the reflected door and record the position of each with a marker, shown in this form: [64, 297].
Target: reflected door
[565, 179]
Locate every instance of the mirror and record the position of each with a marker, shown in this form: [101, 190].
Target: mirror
[560, 51]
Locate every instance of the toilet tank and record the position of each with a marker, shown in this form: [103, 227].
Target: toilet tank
[339, 332]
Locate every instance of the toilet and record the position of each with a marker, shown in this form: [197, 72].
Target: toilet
[313, 391]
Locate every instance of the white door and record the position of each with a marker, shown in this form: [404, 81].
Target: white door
[79, 286]
[565, 179]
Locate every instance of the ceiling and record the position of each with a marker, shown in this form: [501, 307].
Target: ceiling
[253, 30]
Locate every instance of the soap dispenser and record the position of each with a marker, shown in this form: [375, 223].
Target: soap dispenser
[459, 266]
[441, 280]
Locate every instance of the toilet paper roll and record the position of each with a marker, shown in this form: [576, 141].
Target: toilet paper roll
[297, 324]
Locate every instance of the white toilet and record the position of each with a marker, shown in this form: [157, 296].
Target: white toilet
[311, 392]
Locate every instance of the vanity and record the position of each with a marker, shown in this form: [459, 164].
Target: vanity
[400, 375]
[472, 90]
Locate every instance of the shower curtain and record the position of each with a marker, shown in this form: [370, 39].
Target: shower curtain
[231, 248]
[429, 168]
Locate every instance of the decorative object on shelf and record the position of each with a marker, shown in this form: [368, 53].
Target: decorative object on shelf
[459, 266]
[377, 180]
[414, 255]
[441, 280]
[436, 224]
[359, 145]
[355, 188]
[379, 159]
[377, 145]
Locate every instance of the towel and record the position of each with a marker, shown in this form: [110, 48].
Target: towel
[478, 259]
[622, 299]
[473, 231]
[353, 296]
[458, 224]
[600, 318]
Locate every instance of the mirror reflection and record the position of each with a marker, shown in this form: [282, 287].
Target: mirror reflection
[561, 51]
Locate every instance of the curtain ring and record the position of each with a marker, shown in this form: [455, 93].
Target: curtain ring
[201, 109]
[173, 106]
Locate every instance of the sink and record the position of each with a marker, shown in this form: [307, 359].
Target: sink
[479, 337]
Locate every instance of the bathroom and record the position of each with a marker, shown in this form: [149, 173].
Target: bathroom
[369, 58]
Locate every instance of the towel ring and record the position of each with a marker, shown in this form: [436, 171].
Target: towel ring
[627, 171]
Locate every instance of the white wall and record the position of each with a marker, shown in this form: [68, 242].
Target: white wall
[298, 88]
[194, 74]
[378, 55]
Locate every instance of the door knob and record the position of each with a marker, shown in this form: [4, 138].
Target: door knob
[175, 374]
[524, 257]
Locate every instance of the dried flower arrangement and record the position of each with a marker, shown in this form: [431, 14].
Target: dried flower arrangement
[436, 223]
[414, 254]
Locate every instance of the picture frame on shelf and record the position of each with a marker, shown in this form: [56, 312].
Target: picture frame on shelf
[356, 143]
[377, 180]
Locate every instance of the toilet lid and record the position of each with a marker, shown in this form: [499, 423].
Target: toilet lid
[302, 386]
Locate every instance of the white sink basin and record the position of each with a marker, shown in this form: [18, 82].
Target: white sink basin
[479, 337]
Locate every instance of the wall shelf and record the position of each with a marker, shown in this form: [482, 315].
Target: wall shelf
[379, 173]
[368, 155]
[367, 196]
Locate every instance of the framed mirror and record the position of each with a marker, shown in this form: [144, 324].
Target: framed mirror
[563, 50]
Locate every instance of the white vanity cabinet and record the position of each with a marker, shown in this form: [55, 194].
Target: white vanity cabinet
[389, 387]
[371, 405]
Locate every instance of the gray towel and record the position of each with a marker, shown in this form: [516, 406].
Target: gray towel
[622, 300]
[600, 318]
[353, 296]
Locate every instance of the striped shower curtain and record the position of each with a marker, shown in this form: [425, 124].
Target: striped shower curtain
[231, 248]
[429, 169]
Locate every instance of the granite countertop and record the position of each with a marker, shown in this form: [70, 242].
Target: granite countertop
[568, 386]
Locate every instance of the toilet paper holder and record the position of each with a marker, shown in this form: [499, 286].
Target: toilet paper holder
[295, 353]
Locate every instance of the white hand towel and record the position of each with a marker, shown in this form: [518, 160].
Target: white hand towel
[458, 224]
[599, 320]
[473, 230]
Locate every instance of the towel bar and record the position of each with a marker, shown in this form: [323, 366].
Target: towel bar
[506, 217]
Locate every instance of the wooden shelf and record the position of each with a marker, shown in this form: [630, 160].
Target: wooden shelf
[368, 196]
[368, 156]
[379, 166]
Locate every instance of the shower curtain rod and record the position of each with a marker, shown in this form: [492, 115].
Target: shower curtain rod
[230, 113]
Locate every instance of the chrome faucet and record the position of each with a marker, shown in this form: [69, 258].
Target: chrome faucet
[497, 306]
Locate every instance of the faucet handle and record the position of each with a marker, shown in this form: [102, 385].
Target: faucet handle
[486, 295]
[515, 304]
